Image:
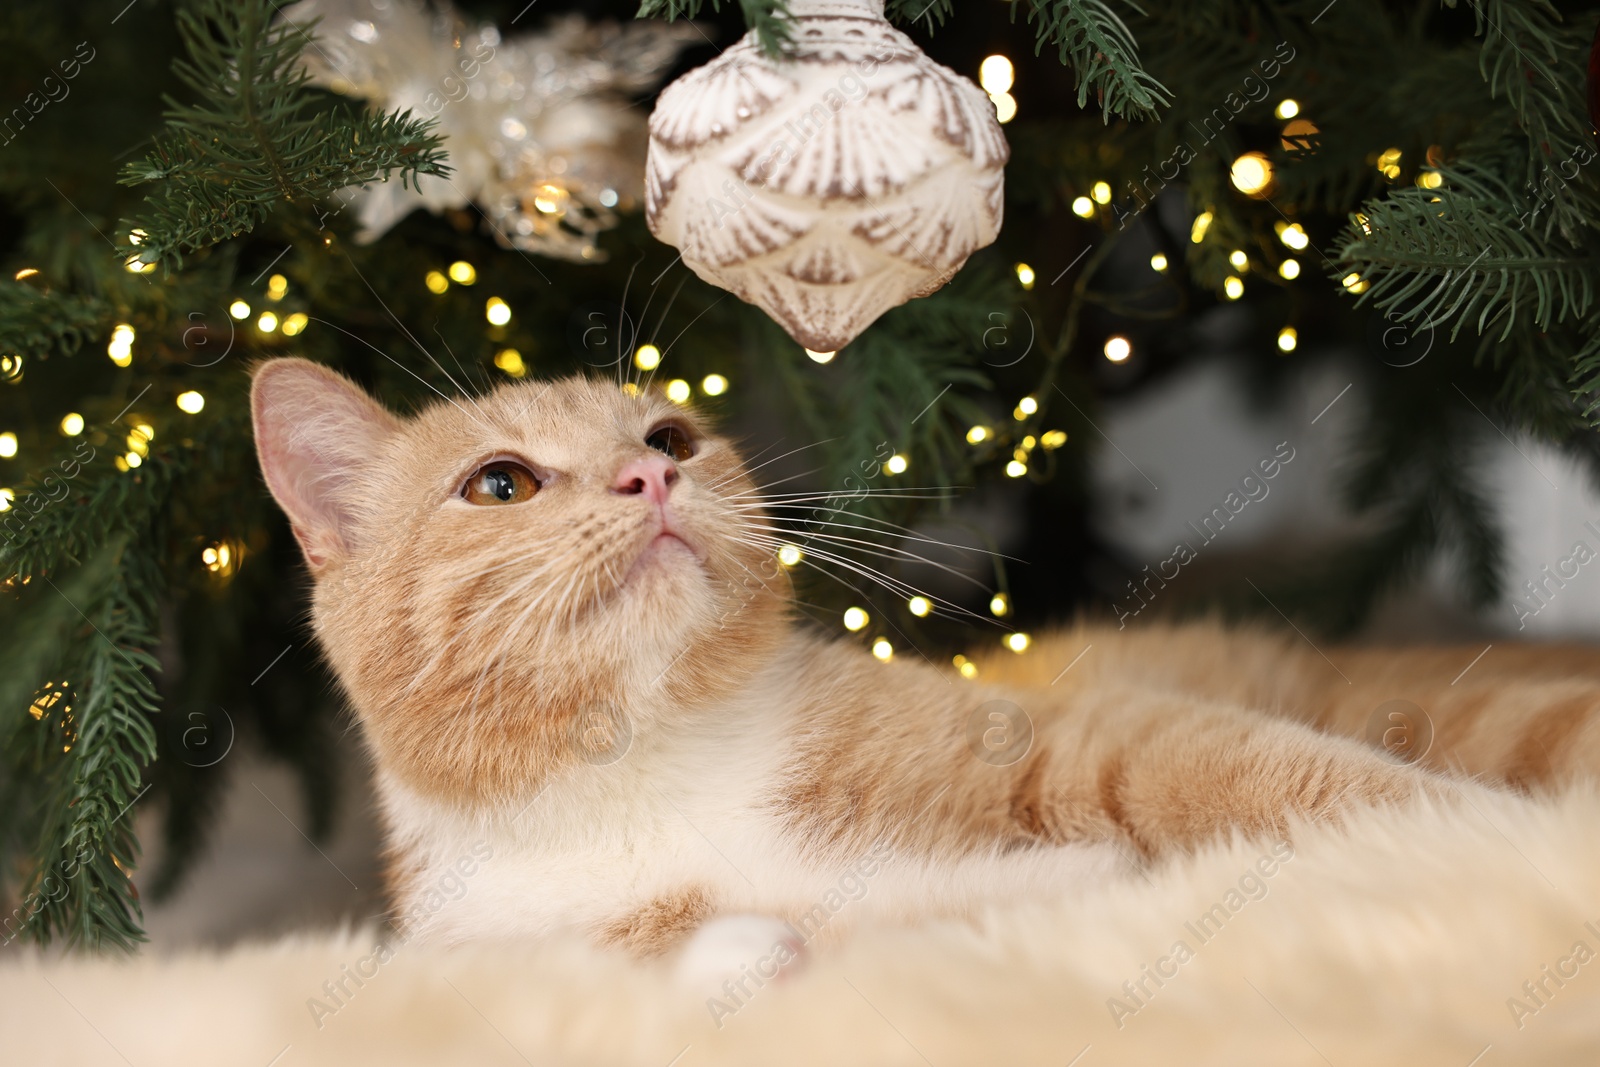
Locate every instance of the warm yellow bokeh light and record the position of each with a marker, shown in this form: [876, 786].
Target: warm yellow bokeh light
[239, 310]
[1083, 207]
[790, 555]
[897, 464]
[1288, 337]
[977, 435]
[855, 619]
[1016, 469]
[1118, 348]
[191, 402]
[510, 361]
[267, 323]
[882, 649]
[1251, 173]
[1233, 288]
[72, 424]
[1018, 642]
[8, 445]
[714, 385]
[821, 357]
[463, 273]
[999, 604]
[1287, 109]
[920, 606]
[1158, 262]
[996, 74]
[1202, 223]
[295, 323]
[1290, 269]
[647, 357]
[436, 282]
[497, 311]
[1025, 275]
[678, 391]
[1005, 107]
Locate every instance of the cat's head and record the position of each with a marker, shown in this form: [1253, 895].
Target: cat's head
[509, 584]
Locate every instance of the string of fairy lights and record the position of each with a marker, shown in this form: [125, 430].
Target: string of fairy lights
[1252, 174]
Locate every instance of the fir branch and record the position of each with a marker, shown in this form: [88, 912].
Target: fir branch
[767, 19]
[935, 12]
[1454, 256]
[37, 324]
[1104, 57]
[258, 135]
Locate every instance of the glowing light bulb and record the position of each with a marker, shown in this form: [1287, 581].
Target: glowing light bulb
[267, 323]
[1158, 263]
[497, 311]
[999, 604]
[1239, 260]
[897, 464]
[1005, 107]
[678, 391]
[996, 74]
[295, 323]
[821, 357]
[133, 459]
[1101, 192]
[647, 357]
[1018, 642]
[1251, 173]
[977, 435]
[1353, 283]
[1288, 337]
[1016, 469]
[6, 497]
[239, 310]
[714, 385]
[25, 272]
[855, 619]
[463, 273]
[1233, 288]
[191, 402]
[120, 347]
[1287, 109]
[1430, 179]
[1025, 275]
[1053, 439]
[1202, 223]
[967, 668]
[510, 361]
[920, 606]
[277, 286]
[1025, 407]
[1083, 207]
[436, 282]
[1293, 235]
[1290, 269]
[72, 424]
[1118, 349]
[790, 555]
[882, 649]
[8, 445]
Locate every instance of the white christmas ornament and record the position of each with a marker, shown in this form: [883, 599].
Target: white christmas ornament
[832, 184]
[537, 125]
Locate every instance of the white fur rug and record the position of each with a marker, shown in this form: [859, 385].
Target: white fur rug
[1405, 938]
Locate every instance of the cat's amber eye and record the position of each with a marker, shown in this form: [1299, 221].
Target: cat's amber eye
[500, 482]
[671, 440]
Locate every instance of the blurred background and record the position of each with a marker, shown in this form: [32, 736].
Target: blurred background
[1372, 274]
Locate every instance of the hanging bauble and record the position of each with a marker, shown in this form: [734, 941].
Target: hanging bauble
[537, 125]
[831, 184]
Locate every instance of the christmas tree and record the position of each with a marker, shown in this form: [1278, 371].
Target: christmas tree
[181, 199]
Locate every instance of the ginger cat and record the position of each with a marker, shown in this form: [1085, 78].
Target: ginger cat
[557, 614]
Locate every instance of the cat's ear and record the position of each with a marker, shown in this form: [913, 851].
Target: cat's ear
[315, 431]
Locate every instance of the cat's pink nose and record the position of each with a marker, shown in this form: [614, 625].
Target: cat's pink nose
[651, 477]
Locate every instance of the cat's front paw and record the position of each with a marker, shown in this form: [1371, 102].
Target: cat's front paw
[731, 957]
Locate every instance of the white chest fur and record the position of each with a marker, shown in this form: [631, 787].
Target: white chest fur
[688, 807]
